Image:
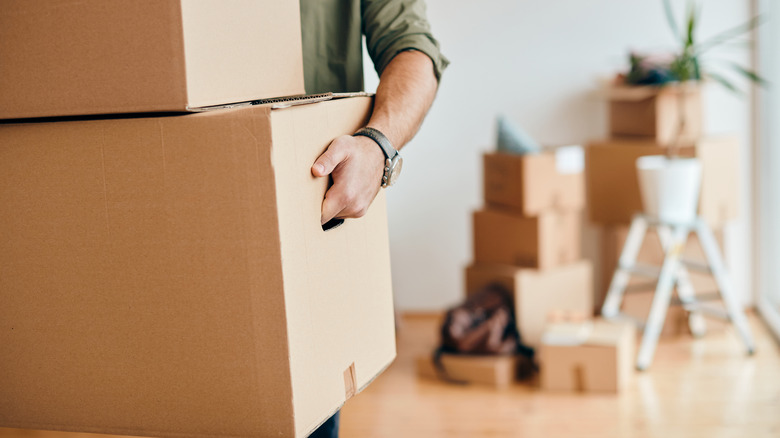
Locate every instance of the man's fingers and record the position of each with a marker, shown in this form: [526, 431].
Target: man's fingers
[332, 157]
[342, 203]
[332, 205]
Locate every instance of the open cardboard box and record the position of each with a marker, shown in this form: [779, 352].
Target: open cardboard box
[169, 276]
[64, 58]
[535, 293]
[593, 356]
[655, 112]
[613, 189]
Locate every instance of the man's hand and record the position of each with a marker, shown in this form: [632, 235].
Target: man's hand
[357, 166]
[405, 92]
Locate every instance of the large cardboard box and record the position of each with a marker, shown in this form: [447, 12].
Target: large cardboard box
[637, 303]
[497, 371]
[613, 188]
[596, 356]
[60, 57]
[655, 112]
[537, 292]
[170, 277]
[545, 241]
[534, 183]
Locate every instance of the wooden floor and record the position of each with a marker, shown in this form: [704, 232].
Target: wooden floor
[695, 388]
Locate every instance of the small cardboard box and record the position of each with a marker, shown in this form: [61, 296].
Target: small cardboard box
[655, 112]
[613, 187]
[637, 304]
[535, 183]
[62, 58]
[593, 356]
[545, 241]
[498, 371]
[536, 293]
[170, 277]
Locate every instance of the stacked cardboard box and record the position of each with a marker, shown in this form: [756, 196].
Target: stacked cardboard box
[527, 236]
[645, 121]
[167, 275]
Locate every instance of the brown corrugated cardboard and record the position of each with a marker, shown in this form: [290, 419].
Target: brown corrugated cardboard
[170, 277]
[637, 304]
[498, 371]
[613, 188]
[655, 112]
[62, 58]
[599, 360]
[531, 184]
[536, 293]
[545, 241]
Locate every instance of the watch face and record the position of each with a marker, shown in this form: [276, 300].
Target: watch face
[398, 163]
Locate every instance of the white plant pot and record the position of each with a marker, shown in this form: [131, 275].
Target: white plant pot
[670, 187]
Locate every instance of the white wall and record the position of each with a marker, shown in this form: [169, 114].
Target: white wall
[539, 62]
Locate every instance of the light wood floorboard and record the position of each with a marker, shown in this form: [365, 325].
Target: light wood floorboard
[696, 388]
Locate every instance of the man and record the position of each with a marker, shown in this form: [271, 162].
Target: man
[409, 64]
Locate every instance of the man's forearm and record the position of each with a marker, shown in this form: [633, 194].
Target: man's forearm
[406, 91]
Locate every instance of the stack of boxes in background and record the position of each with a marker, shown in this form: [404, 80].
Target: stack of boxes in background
[168, 275]
[645, 121]
[527, 238]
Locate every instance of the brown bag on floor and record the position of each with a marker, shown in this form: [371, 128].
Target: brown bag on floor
[484, 325]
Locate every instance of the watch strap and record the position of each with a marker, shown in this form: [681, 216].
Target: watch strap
[380, 139]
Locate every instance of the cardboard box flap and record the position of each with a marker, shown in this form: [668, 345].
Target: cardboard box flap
[285, 101]
[607, 333]
[584, 333]
[568, 334]
[631, 93]
[569, 159]
[635, 93]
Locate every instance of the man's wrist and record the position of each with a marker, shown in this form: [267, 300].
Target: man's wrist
[393, 160]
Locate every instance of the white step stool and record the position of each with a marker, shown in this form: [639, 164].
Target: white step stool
[673, 237]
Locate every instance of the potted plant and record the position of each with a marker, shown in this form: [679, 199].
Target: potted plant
[670, 184]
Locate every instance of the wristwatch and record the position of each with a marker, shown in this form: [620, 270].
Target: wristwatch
[393, 160]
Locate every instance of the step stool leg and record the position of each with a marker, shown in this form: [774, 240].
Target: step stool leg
[696, 321]
[663, 294]
[685, 290]
[733, 307]
[636, 234]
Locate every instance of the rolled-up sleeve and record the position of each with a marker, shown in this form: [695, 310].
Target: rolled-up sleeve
[392, 26]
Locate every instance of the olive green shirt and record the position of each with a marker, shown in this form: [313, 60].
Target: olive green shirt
[332, 33]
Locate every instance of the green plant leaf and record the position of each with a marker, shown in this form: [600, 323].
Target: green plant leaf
[691, 25]
[670, 19]
[753, 76]
[725, 82]
[730, 33]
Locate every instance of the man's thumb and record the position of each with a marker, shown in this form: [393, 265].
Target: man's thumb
[328, 161]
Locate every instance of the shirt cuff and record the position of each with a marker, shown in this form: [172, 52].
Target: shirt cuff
[420, 42]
